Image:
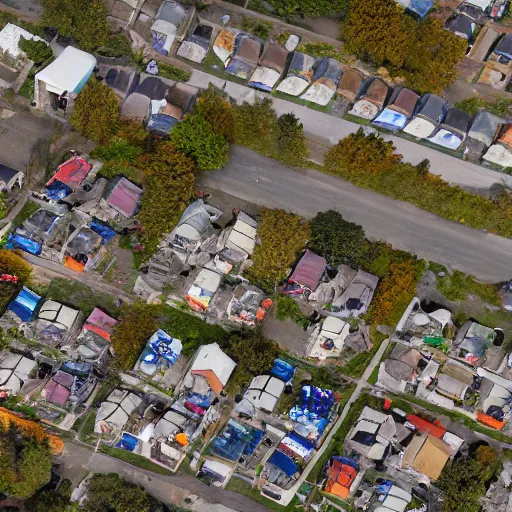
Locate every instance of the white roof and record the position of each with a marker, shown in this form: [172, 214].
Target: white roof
[420, 127]
[211, 357]
[482, 4]
[333, 325]
[217, 467]
[394, 503]
[68, 72]
[208, 280]
[293, 85]
[373, 415]
[63, 317]
[10, 37]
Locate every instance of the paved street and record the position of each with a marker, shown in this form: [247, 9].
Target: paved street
[266, 182]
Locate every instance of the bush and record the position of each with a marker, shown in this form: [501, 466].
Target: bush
[370, 162]
[283, 235]
[12, 263]
[83, 20]
[336, 239]
[118, 149]
[320, 50]
[96, 112]
[291, 143]
[421, 52]
[196, 138]
[308, 8]
[37, 51]
[258, 28]
[215, 106]
[173, 73]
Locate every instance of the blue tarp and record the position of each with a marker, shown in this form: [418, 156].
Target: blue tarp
[391, 120]
[240, 68]
[127, 442]
[104, 231]
[24, 304]
[57, 190]
[421, 7]
[162, 124]
[17, 241]
[282, 370]
[349, 462]
[232, 442]
[256, 437]
[286, 464]
[301, 440]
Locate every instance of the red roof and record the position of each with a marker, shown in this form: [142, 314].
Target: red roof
[425, 426]
[72, 172]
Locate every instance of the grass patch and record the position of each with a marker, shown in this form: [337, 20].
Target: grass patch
[496, 105]
[457, 287]
[372, 379]
[287, 308]
[404, 402]
[256, 27]
[135, 460]
[29, 208]
[84, 426]
[27, 89]
[81, 296]
[336, 445]
[242, 487]
[173, 72]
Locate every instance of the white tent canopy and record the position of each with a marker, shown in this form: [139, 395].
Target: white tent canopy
[69, 72]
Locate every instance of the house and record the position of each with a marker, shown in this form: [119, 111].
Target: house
[350, 83]
[341, 474]
[169, 24]
[500, 153]
[24, 304]
[498, 70]
[461, 26]
[201, 293]
[325, 81]
[9, 177]
[299, 74]
[15, 370]
[64, 77]
[453, 130]
[399, 110]
[115, 411]
[473, 340]
[328, 338]
[214, 472]
[122, 80]
[67, 179]
[427, 455]
[247, 53]
[306, 276]
[195, 46]
[431, 112]
[371, 99]
[270, 68]
[482, 133]
[263, 394]
[224, 44]
[239, 239]
[54, 322]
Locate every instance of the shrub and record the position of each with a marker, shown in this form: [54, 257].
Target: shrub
[118, 149]
[291, 145]
[83, 20]
[283, 235]
[96, 112]
[308, 8]
[215, 106]
[196, 138]
[12, 263]
[37, 51]
[173, 73]
[320, 50]
[336, 239]
[258, 28]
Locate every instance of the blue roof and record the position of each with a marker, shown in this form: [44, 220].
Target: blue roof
[281, 461]
[24, 304]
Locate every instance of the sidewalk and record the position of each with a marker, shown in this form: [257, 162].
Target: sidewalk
[327, 130]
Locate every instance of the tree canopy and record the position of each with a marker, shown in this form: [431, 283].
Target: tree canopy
[215, 106]
[12, 263]
[422, 52]
[336, 239]
[96, 112]
[83, 20]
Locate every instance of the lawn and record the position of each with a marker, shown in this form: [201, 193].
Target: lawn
[135, 460]
[28, 209]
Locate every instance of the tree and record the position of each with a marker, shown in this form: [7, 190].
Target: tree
[308, 8]
[336, 239]
[11, 262]
[111, 493]
[25, 462]
[291, 145]
[215, 106]
[361, 154]
[283, 235]
[196, 138]
[96, 112]
[137, 324]
[83, 20]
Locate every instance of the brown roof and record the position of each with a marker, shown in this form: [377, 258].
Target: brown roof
[274, 57]
[350, 83]
[225, 39]
[405, 102]
[377, 92]
[249, 49]
[432, 457]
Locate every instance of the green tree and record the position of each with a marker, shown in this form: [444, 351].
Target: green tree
[196, 138]
[336, 239]
[111, 493]
[291, 145]
[361, 154]
[37, 51]
[283, 235]
[96, 112]
[215, 106]
[83, 20]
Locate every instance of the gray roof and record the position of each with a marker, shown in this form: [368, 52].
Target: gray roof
[457, 120]
[432, 107]
[485, 126]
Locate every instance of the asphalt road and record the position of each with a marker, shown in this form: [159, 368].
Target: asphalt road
[263, 181]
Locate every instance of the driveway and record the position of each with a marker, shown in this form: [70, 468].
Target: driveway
[261, 180]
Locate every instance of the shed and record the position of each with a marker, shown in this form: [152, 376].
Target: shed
[270, 68]
[461, 26]
[431, 112]
[309, 270]
[25, 304]
[9, 177]
[453, 130]
[195, 47]
[325, 81]
[248, 49]
[485, 126]
[504, 47]
[350, 83]
[427, 455]
[399, 110]
[212, 363]
[68, 73]
[371, 99]
[299, 75]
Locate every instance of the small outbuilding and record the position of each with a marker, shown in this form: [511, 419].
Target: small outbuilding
[399, 110]
[372, 97]
[453, 131]
[350, 83]
[299, 75]
[325, 81]
[431, 112]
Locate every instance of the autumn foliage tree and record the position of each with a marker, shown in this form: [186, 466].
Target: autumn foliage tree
[96, 112]
[283, 235]
[291, 145]
[11, 262]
